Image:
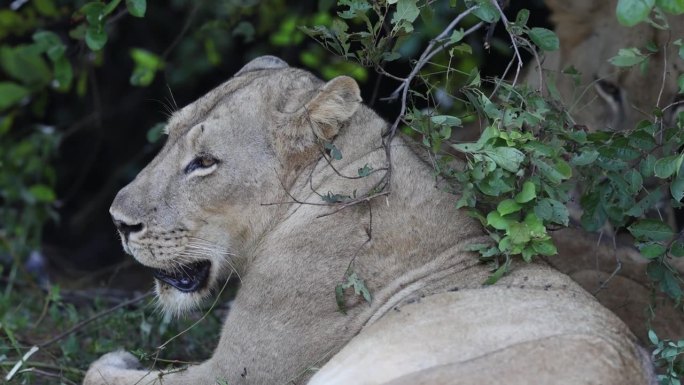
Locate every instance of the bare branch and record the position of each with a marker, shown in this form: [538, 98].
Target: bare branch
[507, 24]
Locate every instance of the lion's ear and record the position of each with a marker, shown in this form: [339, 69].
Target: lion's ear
[331, 107]
[321, 115]
[263, 63]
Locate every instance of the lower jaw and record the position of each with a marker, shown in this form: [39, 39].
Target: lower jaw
[191, 278]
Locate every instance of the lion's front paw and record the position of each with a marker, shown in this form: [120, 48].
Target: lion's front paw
[106, 367]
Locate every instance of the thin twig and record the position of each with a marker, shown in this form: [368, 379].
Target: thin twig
[618, 265]
[664, 77]
[186, 26]
[44, 373]
[93, 318]
[428, 52]
[506, 24]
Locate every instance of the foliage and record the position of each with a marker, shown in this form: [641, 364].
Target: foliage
[138, 328]
[670, 355]
[529, 162]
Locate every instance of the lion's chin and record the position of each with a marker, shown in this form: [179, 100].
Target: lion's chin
[178, 303]
[186, 278]
[183, 290]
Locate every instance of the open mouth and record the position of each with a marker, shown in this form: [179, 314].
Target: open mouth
[187, 278]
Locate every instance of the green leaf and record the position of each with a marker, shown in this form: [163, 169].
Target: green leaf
[652, 250]
[446, 120]
[645, 203]
[544, 38]
[675, 7]
[519, 233]
[495, 220]
[635, 181]
[584, 158]
[359, 286]
[136, 8]
[522, 17]
[647, 166]
[46, 8]
[247, 31]
[330, 197]
[677, 249]
[497, 274]
[146, 58]
[146, 66]
[406, 10]
[529, 192]
[356, 8]
[537, 229]
[677, 187]
[642, 140]
[456, 36]
[507, 158]
[26, 64]
[335, 153]
[486, 11]
[651, 229]
[667, 166]
[63, 74]
[365, 170]
[508, 206]
[50, 43]
[94, 12]
[96, 37]
[553, 211]
[110, 7]
[554, 174]
[652, 337]
[42, 193]
[679, 43]
[11, 94]
[156, 132]
[627, 57]
[633, 12]
[670, 286]
[528, 253]
[339, 298]
[545, 247]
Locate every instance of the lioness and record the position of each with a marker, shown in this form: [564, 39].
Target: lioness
[238, 186]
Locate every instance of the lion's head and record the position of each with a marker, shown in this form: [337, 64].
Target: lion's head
[604, 96]
[198, 207]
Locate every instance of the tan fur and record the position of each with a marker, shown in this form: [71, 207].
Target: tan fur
[429, 309]
[590, 35]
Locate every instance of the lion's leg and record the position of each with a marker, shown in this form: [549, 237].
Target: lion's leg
[122, 368]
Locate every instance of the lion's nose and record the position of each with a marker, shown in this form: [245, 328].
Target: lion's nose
[126, 229]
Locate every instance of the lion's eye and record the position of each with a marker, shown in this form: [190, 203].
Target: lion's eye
[202, 164]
